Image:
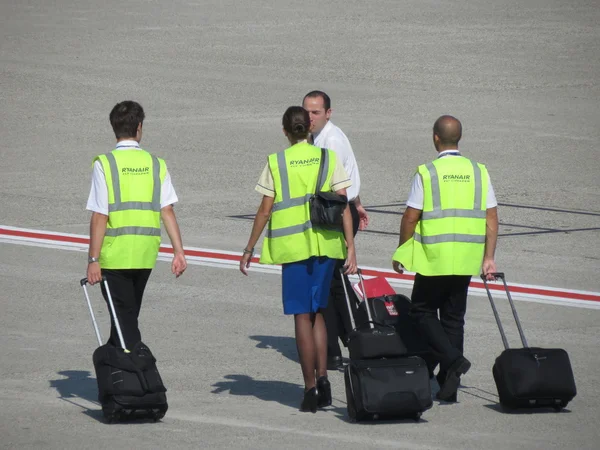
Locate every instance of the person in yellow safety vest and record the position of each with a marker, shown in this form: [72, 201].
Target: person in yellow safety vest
[131, 192]
[448, 233]
[307, 254]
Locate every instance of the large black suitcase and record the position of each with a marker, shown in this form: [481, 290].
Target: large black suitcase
[530, 377]
[387, 388]
[129, 384]
[381, 382]
[372, 339]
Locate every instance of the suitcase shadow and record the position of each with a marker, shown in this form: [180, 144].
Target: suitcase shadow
[285, 345]
[79, 388]
[478, 393]
[288, 394]
[525, 411]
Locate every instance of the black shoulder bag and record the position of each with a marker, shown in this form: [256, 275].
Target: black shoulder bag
[326, 208]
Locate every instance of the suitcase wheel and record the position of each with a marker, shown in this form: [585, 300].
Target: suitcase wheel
[560, 406]
[417, 416]
[158, 414]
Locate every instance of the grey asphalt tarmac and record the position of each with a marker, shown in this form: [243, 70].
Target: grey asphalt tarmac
[215, 78]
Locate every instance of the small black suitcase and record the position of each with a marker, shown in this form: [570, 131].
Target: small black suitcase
[530, 377]
[387, 388]
[384, 309]
[372, 339]
[394, 311]
[129, 384]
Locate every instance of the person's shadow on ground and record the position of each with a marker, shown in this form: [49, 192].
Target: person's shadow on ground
[283, 344]
[288, 394]
[77, 385]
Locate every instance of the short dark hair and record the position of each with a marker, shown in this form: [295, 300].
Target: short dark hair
[323, 95]
[125, 118]
[296, 122]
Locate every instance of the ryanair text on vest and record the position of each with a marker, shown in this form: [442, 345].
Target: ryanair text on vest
[459, 178]
[304, 162]
[135, 170]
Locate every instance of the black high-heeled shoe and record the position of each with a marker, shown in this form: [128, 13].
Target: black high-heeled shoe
[323, 392]
[309, 403]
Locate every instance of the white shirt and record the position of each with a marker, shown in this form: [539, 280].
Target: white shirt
[332, 138]
[415, 198]
[98, 199]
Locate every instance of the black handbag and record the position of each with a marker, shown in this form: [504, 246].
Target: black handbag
[326, 208]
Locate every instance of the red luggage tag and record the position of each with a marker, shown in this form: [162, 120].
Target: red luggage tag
[391, 308]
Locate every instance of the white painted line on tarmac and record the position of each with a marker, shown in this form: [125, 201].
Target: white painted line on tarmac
[230, 260]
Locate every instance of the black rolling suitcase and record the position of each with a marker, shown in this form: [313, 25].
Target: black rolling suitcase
[381, 382]
[530, 377]
[129, 385]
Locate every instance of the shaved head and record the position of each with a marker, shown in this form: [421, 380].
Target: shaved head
[448, 130]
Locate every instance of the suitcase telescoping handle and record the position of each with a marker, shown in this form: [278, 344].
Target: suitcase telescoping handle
[362, 286]
[84, 282]
[500, 275]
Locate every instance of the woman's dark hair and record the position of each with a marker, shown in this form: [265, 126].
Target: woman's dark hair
[296, 122]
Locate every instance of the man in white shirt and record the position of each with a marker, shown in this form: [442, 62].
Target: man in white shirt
[326, 135]
[125, 270]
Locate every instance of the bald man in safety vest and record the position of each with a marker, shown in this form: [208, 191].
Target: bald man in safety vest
[448, 234]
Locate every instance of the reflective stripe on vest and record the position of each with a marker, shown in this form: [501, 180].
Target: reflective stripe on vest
[449, 237]
[140, 231]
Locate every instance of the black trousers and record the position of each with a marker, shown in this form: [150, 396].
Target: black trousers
[126, 289]
[336, 315]
[445, 335]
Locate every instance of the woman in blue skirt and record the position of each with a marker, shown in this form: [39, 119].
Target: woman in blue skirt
[307, 254]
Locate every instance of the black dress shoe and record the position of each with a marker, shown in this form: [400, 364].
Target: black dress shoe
[309, 403]
[324, 392]
[335, 363]
[451, 399]
[452, 379]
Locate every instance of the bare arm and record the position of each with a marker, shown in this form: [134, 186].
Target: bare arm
[491, 237]
[260, 221]
[351, 265]
[97, 230]
[410, 218]
[167, 215]
[179, 263]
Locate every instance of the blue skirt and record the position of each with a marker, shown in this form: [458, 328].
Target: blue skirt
[305, 284]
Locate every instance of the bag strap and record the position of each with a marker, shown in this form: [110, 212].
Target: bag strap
[320, 181]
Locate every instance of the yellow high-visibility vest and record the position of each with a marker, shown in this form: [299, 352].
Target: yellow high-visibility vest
[134, 179]
[450, 236]
[290, 236]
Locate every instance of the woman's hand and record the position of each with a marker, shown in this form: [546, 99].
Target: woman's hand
[350, 266]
